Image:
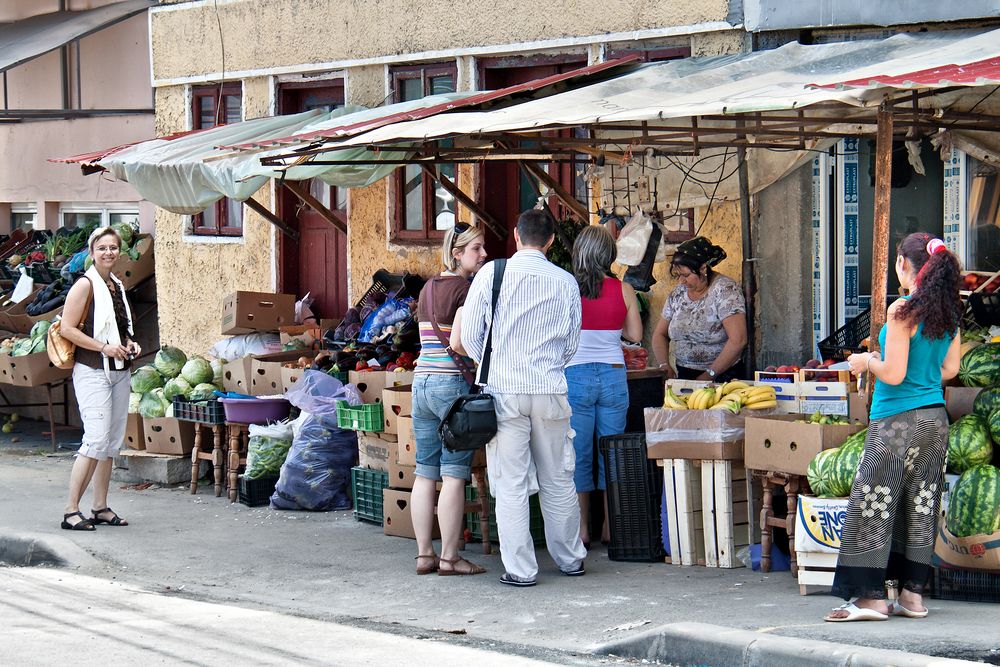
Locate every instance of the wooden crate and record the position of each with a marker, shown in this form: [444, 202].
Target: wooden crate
[725, 502]
[686, 533]
[815, 570]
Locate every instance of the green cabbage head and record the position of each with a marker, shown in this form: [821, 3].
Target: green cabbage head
[133, 403]
[197, 371]
[145, 379]
[176, 387]
[153, 405]
[169, 361]
[202, 392]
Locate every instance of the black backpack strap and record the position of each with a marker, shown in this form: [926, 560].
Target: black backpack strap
[499, 265]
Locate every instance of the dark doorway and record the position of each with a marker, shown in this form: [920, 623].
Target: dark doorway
[317, 263]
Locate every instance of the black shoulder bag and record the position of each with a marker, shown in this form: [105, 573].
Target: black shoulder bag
[471, 421]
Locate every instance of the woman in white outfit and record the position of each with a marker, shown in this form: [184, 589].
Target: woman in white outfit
[104, 351]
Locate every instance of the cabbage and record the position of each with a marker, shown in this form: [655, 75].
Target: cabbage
[169, 361]
[126, 232]
[197, 371]
[133, 403]
[217, 365]
[146, 379]
[202, 392]
[176, 387]
[153, 405]
[39, 329]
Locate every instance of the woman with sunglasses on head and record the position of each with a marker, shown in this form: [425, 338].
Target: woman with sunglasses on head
[891, 520]
[437, 381]
[98, 321]
[704, 317]
[598, 388]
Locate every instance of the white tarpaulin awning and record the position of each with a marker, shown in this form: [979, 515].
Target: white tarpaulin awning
[27, 39]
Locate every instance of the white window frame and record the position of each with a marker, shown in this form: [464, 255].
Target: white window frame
[106, 210]
[23, 209]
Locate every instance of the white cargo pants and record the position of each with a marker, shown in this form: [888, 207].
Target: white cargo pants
[103, 409]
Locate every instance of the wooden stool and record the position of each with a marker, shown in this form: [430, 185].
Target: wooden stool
[793, 485]
[214, 454]
[238, 436]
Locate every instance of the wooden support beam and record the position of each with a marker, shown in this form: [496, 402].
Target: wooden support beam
[271, 217]
[466, 201]
[296, 189]
[571, 202]
[880, 234]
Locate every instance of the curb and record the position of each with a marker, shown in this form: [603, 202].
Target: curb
[22, 550]
[686, 643]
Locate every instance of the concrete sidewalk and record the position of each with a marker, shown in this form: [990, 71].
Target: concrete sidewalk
[328, 566]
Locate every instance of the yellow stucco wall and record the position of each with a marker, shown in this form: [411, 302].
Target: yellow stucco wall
[311, 31]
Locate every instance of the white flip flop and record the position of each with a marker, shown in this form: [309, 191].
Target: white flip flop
[898, 609]
[856, 613]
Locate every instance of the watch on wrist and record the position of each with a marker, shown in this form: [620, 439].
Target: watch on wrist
[711, 373]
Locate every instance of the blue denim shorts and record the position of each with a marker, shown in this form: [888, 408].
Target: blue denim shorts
[433, 394]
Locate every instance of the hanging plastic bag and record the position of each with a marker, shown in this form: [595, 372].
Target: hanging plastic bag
[303, 310]
[25, 285]
[267, 449]
[633, 238]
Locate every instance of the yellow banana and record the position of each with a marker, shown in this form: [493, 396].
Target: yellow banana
[733, 385]
[763, 389]
[699, 399]
[694, 399]
[761, 405]
[707, 398]
[733, 396]
[673, 402]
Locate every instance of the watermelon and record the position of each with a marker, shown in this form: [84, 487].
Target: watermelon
[845, 466]
[974, 502]
[986, 402]
[980, 366]
[820, 471]
[993, 423]
[969, 443]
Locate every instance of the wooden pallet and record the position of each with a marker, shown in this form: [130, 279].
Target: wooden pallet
[815, 570]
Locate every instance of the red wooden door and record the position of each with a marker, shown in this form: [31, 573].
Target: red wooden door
[317, 263]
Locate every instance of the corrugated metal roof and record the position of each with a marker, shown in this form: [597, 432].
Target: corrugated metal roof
[979, 73]
[96, 156]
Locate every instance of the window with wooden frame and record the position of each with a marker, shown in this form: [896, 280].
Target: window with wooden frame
[423, 209]
[214, 106]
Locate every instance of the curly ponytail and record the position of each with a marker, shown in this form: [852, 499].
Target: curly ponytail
[935, 303]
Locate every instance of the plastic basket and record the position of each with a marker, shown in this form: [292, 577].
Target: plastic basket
[634, 489]
[965, 585]
[255, 410]
[642, 393]
[366, 486]
[383, 282]
[203, 412]
[847, 339]
[535, 524]
[985, 308]
[256, 492]
[365, 417]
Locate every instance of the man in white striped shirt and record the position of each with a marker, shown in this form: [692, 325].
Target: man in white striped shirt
[535, 333]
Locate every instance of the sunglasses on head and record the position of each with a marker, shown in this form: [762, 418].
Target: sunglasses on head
[462, 227]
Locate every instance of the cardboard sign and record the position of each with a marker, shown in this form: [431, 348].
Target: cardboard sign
[820, 522]
[828, 398]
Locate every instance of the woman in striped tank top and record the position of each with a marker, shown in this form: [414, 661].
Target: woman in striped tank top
[598, 390]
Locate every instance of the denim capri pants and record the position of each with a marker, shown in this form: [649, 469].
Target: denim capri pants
[433, 394]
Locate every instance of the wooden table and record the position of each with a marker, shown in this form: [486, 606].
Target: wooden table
[793, 485]
[215, 455]
[238, 436]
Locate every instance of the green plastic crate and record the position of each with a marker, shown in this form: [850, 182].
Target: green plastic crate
[534, 519]
[365, 417]
[366, 486]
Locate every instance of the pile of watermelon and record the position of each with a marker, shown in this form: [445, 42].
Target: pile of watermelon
[831, 472]
[974, 502]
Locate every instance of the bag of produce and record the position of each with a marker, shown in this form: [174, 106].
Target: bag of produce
[317, 473]
[267, 449]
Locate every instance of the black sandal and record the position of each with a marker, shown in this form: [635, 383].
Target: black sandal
[83, 524]
[115, 520]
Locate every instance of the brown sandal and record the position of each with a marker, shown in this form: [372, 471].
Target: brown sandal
[428, 569]
[454, 571]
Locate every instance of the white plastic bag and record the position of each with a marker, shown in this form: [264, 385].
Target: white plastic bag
[634, 237]
[24, 287]
[303, 310]
[236, 347]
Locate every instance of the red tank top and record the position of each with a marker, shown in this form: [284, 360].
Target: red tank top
[606, 312]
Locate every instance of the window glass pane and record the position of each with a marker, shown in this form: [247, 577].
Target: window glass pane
[77, 220]
[320, 191]
[25, 220]
[445, 206]
[208, 220]
[983, 219]
[442, 84]
[130, 218]
[234, 214]
[413, 216]
[206, 112]
[234, 113]
[410, 89]
[340, 195]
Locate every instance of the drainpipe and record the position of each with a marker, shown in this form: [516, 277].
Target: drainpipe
[749, 278]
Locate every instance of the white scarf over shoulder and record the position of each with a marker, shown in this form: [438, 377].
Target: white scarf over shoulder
[105, 323]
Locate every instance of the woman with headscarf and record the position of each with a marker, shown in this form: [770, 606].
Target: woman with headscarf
[704, 317]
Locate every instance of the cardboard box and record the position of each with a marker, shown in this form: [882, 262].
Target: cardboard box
[396, 402]
[400, 476]
[17, 310]
[958, 401]
[247, 312]
[168, 436]
[857, 407]
[371, 383]
[35, 319]
[6, 372]
[308, 335]
[132, 272]
[406, 446]
[693, 434]
[686, 387]
[236, 375]
[786, 392]
[375, 452]
[778, 443]
[396, 515]
[266, 371]
[35, 370]
[976, 552]
[828, 398]
[289, 376]
[825, 375]
[819, 524]
[776, 378]
[135, 437]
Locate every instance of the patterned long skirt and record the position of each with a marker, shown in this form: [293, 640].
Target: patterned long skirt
[891, 520]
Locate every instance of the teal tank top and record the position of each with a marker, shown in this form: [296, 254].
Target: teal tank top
[921, 386]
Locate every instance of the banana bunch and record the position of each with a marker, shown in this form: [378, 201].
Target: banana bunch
[759, 397]
[703, 399]
[672, 401]
[732, 396]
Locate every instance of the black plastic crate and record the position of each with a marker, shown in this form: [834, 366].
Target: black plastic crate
[366, 489]
[985, 308]
[256, 492]
[535, 524]
[642, 393]
[383, 282]
[635, 485]
[41, 272]
[965, 585]
[847, 339]
[203, 412]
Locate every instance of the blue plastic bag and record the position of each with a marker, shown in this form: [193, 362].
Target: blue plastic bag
[317, 473]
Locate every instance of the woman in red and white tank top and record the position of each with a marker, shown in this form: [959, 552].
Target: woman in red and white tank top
[598, 390]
